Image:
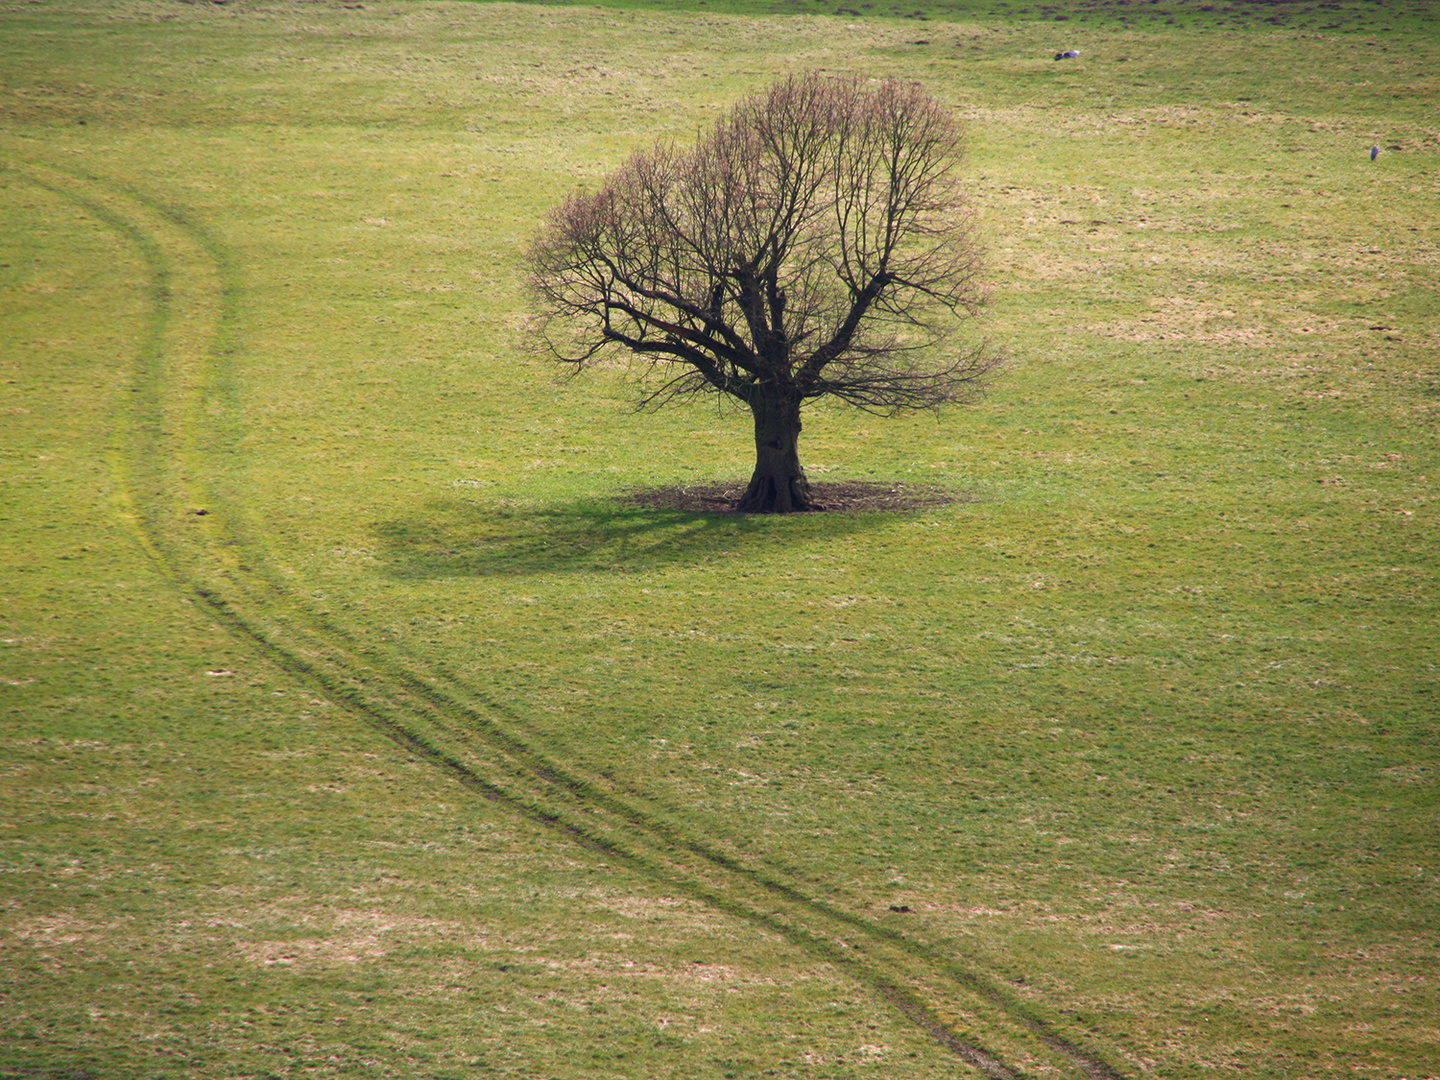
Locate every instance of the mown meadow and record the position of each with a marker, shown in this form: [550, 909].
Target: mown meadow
[355, 724]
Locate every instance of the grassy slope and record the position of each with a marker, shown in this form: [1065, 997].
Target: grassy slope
[1145, 734]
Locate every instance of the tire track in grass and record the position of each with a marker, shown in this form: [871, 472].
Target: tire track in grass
[169, 438]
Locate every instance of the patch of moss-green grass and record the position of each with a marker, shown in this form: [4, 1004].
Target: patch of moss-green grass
[1074, 18]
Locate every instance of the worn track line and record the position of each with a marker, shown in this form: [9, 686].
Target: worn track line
[160, 460]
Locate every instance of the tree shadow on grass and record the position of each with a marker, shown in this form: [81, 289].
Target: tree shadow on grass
[457, 538]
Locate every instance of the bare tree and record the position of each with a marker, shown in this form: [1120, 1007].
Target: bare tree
[812, 243]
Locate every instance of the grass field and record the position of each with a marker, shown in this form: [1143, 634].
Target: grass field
[355, 726]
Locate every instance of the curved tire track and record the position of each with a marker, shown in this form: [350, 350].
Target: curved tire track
[162, 457]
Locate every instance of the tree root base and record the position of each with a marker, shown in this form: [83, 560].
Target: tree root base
[769, 505]
[837, 497]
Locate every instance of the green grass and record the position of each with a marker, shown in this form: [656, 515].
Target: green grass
[420, 754]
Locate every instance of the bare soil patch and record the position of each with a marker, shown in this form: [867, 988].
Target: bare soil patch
[842, 496]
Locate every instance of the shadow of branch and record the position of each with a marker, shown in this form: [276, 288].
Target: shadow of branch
[455, 538]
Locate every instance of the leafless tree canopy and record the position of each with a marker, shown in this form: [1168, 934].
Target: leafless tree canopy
[812, 243]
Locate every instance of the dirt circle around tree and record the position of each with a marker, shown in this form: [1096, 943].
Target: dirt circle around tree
[835, 497]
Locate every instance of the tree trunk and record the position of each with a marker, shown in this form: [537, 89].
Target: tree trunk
[778, 485]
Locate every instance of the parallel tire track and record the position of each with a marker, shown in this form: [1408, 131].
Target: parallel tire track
[167, 440]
